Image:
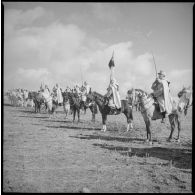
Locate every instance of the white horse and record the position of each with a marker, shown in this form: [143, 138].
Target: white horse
[150, 111]
[48, 101]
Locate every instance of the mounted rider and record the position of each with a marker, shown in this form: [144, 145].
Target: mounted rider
[87, 87]
[58, 94]
[161, 93]
[46, 90]
[112, 94]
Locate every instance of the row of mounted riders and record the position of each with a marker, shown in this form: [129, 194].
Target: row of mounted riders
[94, 100]
[72, 102]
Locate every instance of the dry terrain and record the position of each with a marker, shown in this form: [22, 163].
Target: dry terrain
[56, 155]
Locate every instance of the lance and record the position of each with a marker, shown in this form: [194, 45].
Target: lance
[147, 37]
[154, 64]
[81, 74]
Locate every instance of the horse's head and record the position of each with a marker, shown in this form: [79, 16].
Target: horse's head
[89, 98]
[131, 96]
[140, 94]
[30, 95]
[185, 99]
[65, 96]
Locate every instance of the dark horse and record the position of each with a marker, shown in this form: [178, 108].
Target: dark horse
[37, 99]
[106, 110]
[151, 111]
[76, 103]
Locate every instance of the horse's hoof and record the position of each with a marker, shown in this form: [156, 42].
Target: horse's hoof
[147, 140]
[150, 143]
[169, 140]
[178, 140]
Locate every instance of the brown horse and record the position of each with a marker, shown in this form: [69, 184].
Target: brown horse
[106, 110]
[37, 99]
[150, 111]
[76, 103]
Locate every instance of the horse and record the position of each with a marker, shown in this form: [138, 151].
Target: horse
[106, 110]
[37, 99]
[75, 104]
[84, 105]
[50, 102]
[66, 103]
[25, 97]
[151, 111]
[94, 110]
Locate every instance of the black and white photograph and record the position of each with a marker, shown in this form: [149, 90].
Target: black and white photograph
[97, 97]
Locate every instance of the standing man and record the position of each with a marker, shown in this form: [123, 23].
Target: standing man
[161, 91]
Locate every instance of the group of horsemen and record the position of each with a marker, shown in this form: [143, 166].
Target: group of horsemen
[160, 87]
[56, 92]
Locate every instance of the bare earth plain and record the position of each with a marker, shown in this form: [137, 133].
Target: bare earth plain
[56, 155]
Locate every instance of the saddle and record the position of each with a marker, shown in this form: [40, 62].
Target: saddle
[112, 109]
[156, 104]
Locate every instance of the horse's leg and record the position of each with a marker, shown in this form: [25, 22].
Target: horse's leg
[104, 117]
[129, 116]
[36, 108]
[74, 113]
[148, 130]
[39, 108]
[172, 123]
[93, 113]
[78, 113]
[66, 113]
[93, 117]
[179, 127]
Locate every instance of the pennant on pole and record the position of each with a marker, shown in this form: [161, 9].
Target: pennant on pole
[111, 62]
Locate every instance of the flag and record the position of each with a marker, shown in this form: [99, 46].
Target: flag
[111, 63]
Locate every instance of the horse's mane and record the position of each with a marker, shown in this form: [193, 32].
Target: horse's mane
[101, 97]
[142, 91]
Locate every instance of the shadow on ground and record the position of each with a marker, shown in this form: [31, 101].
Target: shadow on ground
[181, 158]
[34, 116]
[74, 127]
[109, 138]
[5, 104]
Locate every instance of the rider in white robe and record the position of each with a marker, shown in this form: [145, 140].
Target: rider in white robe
[58, 94]
[162, 93]
[113, 92]
[87, 87]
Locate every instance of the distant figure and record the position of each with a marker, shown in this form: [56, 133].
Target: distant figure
[87, 87]
[41, 88]
[58, 94]
[161, 92]
[46, 90]
[77, 89]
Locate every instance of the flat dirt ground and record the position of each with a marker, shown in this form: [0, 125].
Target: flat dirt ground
[56, 155]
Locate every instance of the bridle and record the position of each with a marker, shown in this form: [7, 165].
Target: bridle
[143, 104]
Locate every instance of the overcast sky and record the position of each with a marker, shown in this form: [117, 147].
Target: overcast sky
[66, 43]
